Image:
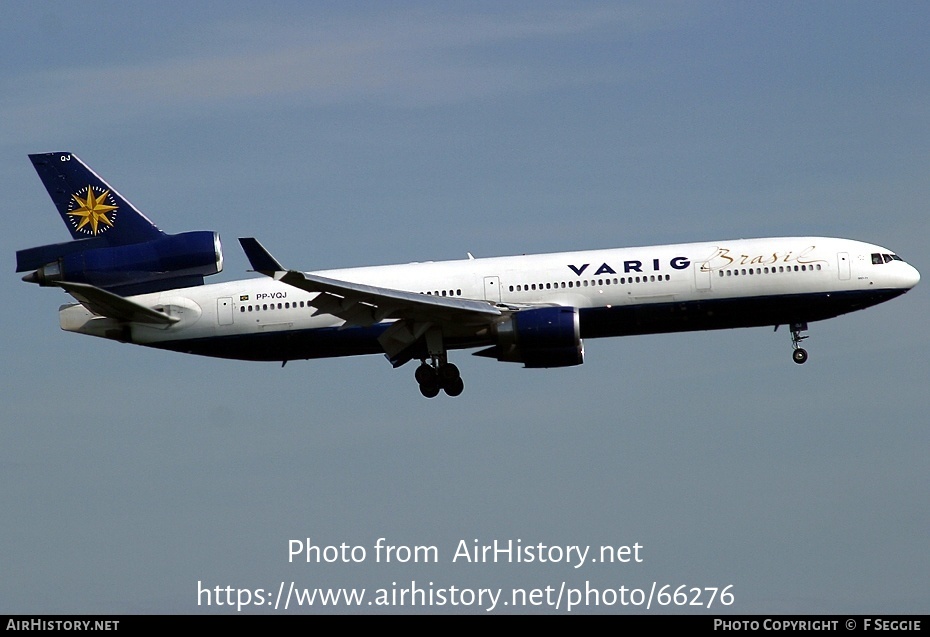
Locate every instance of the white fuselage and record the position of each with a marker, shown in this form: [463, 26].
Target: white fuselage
[618, 291]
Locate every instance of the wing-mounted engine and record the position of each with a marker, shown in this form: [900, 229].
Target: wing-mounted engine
[539, 337]
[168, 261]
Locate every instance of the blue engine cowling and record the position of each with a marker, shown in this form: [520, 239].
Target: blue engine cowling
[541, 337]
[169, 261]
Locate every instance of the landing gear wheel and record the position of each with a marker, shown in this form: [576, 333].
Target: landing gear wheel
[425, 374]
[453, 387]
[430, 390]
[448, 373]
[799, 355]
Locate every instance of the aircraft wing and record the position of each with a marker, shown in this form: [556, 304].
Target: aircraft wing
[364, 305]
[114, 306]
[360, 304]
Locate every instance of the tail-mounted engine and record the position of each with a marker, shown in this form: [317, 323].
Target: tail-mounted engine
[169, 261]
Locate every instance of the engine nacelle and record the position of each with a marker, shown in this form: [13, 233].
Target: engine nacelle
[179, 260]
[542, 337]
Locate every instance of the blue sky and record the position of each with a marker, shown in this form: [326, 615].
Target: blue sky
[346, 134]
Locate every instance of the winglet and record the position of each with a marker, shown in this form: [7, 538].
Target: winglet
[259, 257]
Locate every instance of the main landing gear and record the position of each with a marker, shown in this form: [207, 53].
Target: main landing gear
[436, 375]
[435, 372]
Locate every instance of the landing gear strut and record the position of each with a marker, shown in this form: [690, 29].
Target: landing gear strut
[799, 355]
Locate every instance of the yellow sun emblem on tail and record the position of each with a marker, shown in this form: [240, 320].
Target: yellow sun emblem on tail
[91, 213]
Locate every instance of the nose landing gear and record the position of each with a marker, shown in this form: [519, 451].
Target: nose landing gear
[799, 355]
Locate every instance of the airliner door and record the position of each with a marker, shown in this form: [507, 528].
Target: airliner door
[842, 260]
[224, 311]
[492, 289]
[701, 276]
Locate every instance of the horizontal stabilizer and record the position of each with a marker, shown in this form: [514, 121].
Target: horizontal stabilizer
[115, 307]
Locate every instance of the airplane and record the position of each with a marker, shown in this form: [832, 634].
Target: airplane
[134, 283]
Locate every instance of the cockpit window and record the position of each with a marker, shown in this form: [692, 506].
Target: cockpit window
[880, 258]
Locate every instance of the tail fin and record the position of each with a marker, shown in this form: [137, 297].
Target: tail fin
[88, 205]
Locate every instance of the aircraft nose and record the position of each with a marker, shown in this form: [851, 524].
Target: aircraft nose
[911, 276]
